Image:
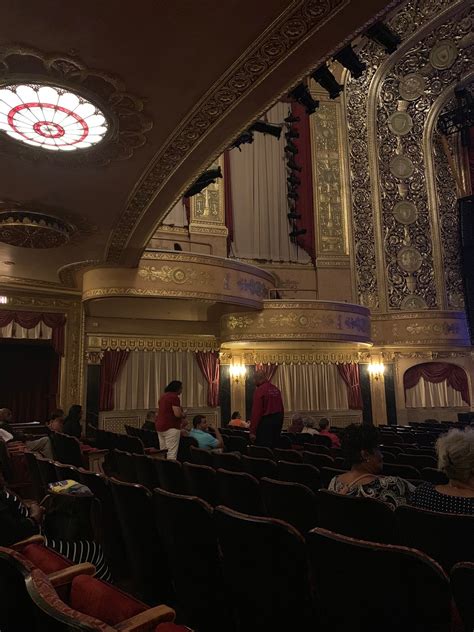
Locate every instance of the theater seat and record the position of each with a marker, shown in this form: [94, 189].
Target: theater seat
[43, 558]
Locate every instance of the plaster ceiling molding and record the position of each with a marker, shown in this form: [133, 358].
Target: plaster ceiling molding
[68, 273]
[31, 225]
[52, 106]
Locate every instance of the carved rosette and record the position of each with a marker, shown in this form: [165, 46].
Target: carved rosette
[395, 200]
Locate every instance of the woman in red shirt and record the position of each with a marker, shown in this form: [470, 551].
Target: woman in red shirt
[169, 418]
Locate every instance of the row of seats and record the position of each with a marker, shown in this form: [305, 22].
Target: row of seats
[42, 590]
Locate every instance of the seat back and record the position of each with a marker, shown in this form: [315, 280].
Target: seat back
[327, 474]
[235, 443]
[284, 442]
[322, 440]
[447, 538]
[259, 467]
[66, 449]
[35, 475]
[303, 473]
[16, 609]
[147, 474]
[201, 481]
[265, 568]
[292, 502]
[404, 471]
[125, 466]
[199, 456]
[318, 460]
[462, 586]
[227, 461]
[65, 472]
[397, 588]
[240, 491]
[260, 452]
[146, 558]
[364, 518]
[170, 475]
[133, 445]
[149, 439]
[432, 475]
[418, 461]
[190, 540]
[47, 471]
[316, 448]
[288, 455]
[184, 452]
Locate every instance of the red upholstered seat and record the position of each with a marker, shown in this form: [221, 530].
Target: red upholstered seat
[103, 601]
[45, 559]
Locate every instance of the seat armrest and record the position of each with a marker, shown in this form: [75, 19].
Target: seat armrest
[66, 575]
[34, 539]
[150, 618]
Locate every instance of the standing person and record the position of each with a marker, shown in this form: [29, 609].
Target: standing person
[72, 423]
[169, 418]
[267, 413]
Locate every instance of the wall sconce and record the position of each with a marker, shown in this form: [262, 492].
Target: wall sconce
[3, 300]
[237, 372]
[376, 370]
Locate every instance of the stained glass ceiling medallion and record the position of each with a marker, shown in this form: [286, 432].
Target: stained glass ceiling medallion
[50, 117]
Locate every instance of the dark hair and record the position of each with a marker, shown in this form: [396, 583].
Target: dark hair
[74, 413]
[56, 414]
[174, 386]
[358, 437]
[323, 423]
[235, 415]
[197, 420]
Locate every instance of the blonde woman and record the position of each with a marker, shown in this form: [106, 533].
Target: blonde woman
[456, 459]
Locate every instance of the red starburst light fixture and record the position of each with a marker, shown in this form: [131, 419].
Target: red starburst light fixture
[50, 117]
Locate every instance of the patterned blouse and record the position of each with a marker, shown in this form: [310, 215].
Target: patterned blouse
[392, 490]
[426, 497]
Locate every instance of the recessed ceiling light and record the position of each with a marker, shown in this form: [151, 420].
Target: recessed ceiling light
[50, 117]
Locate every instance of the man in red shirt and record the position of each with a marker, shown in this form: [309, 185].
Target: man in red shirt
[323, 431]
[169, 419]
[267, 413]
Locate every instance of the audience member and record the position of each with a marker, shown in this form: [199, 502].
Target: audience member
[237, 422]
[21, 519]
[200, 432]
[9, 433]
[169, 418]
[267, 412]
[323, 430]
[72, 423]
[456, 459]
[360, 446]
[149, 423]
[55, 422]
[297, 424]
[309, 426]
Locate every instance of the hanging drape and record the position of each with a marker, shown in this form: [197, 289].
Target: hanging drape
[437, 372]
[111, 365]
[304, 190]
[259, 197]
[208, 362]
[268, 369]
[30, 320]
[145, 375]
[13, 330]
[351, 376]
[433, 395]
[311, 387]
[228, 207]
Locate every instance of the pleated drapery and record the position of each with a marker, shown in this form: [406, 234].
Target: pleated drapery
[31, 320]
[268, 369]
[433, 395]
[437, 372]
[311, 387]
[208, 362]
[111, 366]
[351, 376]
[145, 375]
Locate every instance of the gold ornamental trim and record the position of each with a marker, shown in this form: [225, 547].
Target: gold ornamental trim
[303, 356]
[150, 343]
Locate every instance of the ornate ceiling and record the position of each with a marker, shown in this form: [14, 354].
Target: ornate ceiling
[194, 71]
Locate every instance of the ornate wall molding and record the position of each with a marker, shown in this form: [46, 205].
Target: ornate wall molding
[299, 320]
[388, 145]
[97, 344]
[289, 356]
[425, 328]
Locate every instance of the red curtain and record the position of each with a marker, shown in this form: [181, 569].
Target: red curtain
[110, 367]
[30, 379]
[208, 362]
[351, 376]
[29, 320]
[268, 369]
[436, 372]
[305, 188]
[229, 209]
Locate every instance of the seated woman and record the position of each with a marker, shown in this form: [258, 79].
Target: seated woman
[456, 459]
[360, 447]
[296, 425]
[72, 423]
[21, 519]
[237, 422]
[309, 426]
